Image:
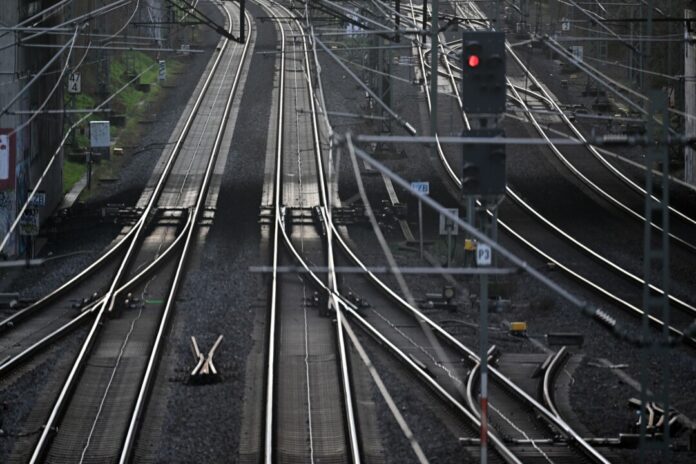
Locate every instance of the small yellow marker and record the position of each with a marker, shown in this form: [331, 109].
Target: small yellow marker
[518, 328]
[469, 245]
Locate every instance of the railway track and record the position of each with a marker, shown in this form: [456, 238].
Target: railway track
[309, 409]
[624, 298]
[447, 392]
[95, 417]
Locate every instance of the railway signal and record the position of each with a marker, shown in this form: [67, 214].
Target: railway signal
[483, 72]
[483, 167]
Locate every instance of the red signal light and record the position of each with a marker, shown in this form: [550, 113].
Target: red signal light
[473, 61]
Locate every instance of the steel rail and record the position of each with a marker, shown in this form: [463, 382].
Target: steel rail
[500, 447]
[353, 438]
[565, 428]
[549, 376]
[596, 154]
[12, 321]
[593, 150]
[273, 303]
[148, 376]
[601, 290]
[507, 383]
[11, 363]
[684, 242]
[683, 305]
[78, 365]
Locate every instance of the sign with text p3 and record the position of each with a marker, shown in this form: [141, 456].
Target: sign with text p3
[421, 187]
[484, 255]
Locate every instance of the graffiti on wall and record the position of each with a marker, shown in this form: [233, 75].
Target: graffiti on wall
[6, 218]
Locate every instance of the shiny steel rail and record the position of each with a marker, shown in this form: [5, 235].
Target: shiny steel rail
[350, 421]
[626, 305]
[684, 241]
[432, 383]
[549, 377]
[496, 375]
[15, 361]
[273, 303]
[148, 376]
[109, 300]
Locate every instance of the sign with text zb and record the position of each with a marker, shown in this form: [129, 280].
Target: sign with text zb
[421, 187]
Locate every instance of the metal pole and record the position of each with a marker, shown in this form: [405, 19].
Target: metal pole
[434, 26]
[397, 20]
[449, 246]
[242, 7]
[689, 98]
[89, 170]
[483, 354]
[420, 227]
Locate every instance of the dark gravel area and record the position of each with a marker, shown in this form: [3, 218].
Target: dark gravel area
[187, 423]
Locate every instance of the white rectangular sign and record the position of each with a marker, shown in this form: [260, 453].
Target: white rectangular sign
[484, 255]
[29, 223]
[38, 200]
[421, 187]
[4, 157]
[75, 83]
[448, 226]
[577, 50]
[162, 74]
[100, 134]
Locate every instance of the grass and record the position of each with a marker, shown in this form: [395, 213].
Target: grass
[131, 102]
[72, 172]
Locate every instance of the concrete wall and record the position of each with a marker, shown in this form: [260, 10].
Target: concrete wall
[33, 145]
[690, 99]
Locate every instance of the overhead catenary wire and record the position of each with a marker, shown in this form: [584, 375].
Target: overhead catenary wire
[41, 15]
[53, 89]
[79, 19]
[53, 158]
[48, 64]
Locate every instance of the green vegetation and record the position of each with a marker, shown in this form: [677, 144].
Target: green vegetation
[72, 172]
[130, 102]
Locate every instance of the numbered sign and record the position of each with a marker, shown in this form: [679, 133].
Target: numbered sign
[484, 255]
[565, 24]
[38, 200]
[421, 187]
[75, 83]
[162, 74]
[448, 226]
[29, 223]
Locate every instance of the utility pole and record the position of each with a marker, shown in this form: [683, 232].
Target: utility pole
[103, 67]
[690, 92]
[434, 31]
